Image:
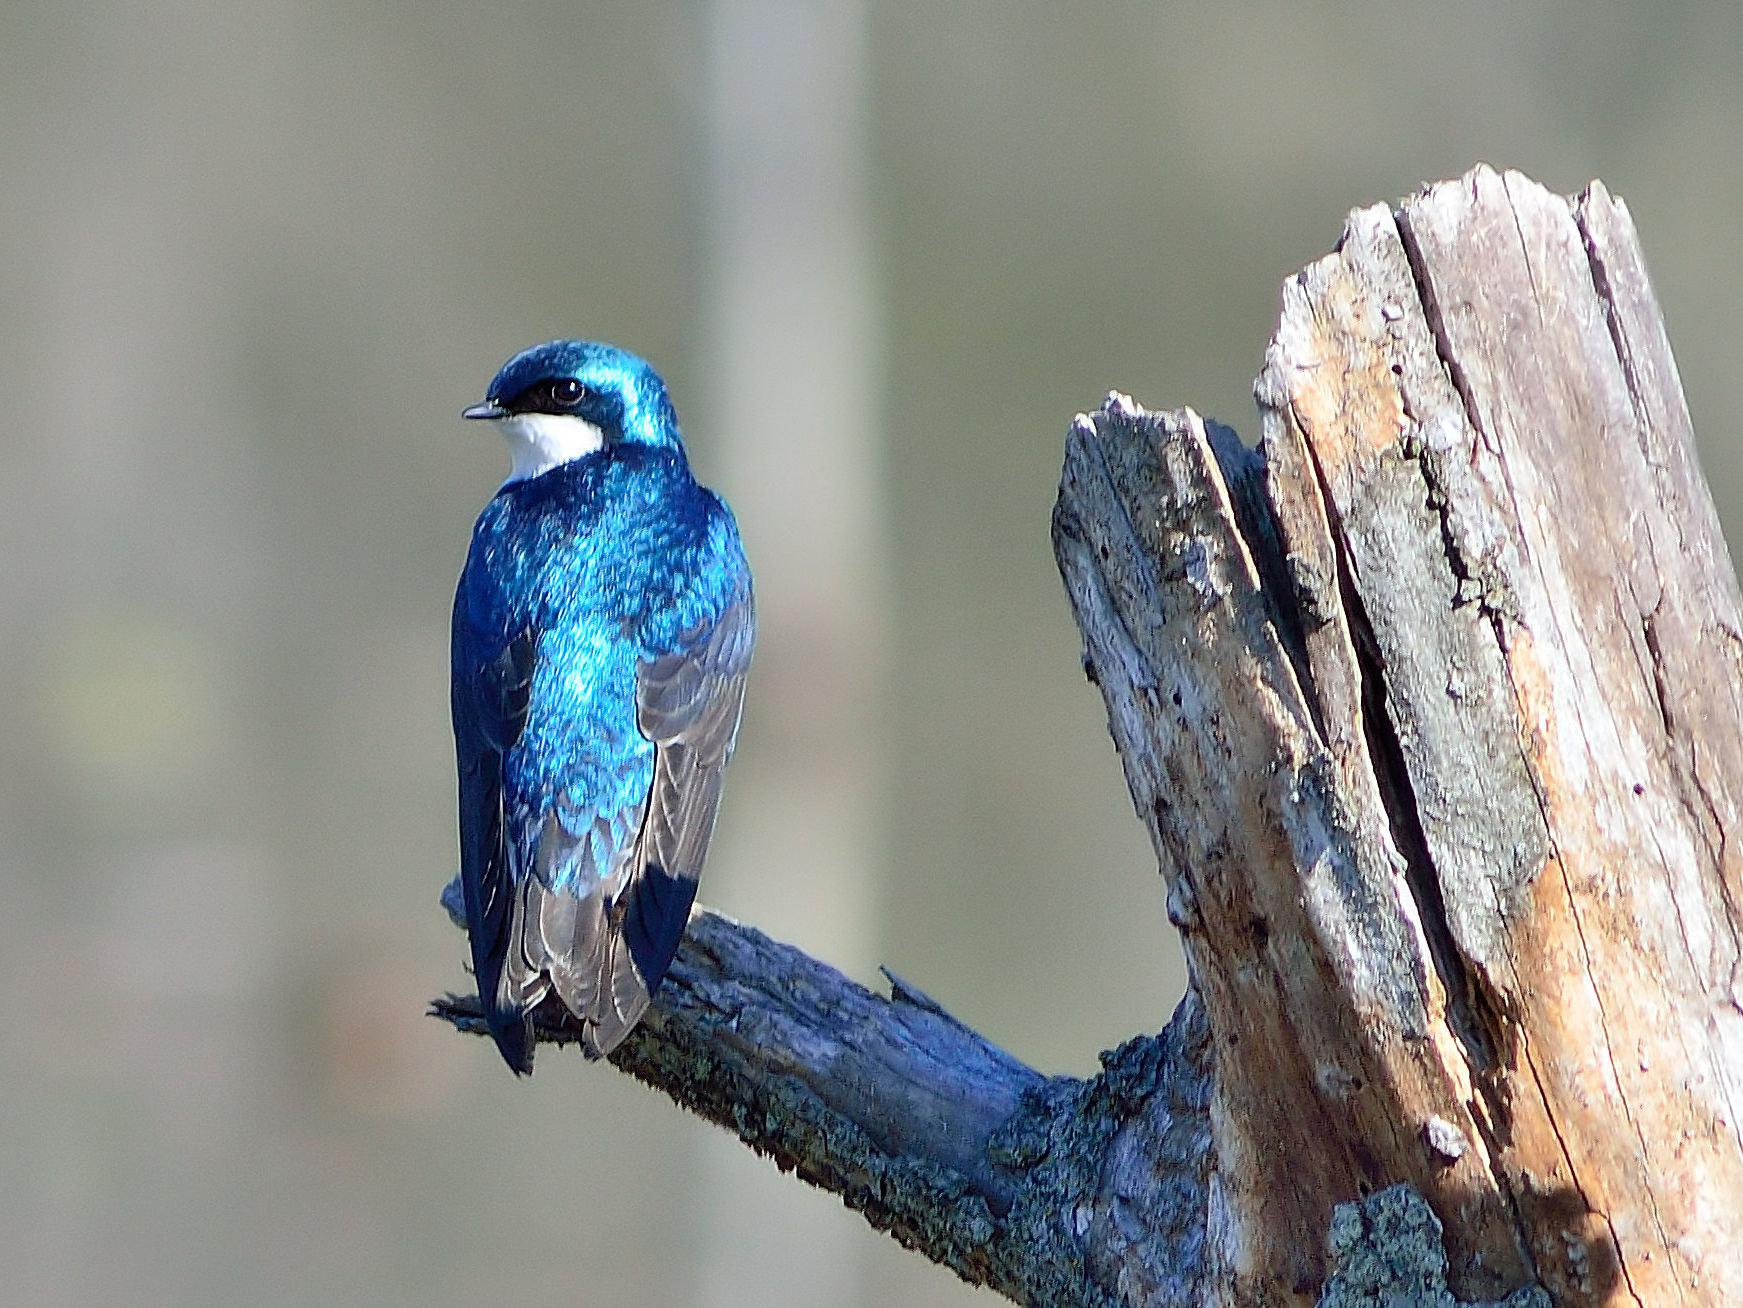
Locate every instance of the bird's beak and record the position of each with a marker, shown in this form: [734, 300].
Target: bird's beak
[489, 409]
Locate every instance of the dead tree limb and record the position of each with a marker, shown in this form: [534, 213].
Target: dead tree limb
[1049, 1191]
[1432, 708]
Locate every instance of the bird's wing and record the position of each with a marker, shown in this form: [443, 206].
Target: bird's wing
[606, 953]
[490, 700]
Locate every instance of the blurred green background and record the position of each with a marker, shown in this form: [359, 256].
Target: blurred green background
[255, 260]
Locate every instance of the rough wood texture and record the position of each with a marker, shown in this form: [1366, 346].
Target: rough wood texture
[1533, 586]
[1432, 708]
[1051, 1191]
[1443, 770]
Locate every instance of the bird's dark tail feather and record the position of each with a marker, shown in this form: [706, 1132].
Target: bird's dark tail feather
[512, 1029]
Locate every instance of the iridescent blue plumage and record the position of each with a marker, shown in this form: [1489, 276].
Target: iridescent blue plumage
[602, 630]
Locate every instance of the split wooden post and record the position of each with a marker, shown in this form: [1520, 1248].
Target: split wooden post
[1433, 711]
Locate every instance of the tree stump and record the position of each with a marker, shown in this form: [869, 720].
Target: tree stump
[1433, 713]
[1431, 707]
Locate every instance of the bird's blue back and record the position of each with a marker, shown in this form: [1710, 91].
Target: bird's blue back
[603, 600]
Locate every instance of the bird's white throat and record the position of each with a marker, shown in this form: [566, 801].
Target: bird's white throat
[538, 442]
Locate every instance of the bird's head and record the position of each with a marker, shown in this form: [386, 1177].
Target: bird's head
[564, 400]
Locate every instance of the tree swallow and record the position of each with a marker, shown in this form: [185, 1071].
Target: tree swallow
[603, 627]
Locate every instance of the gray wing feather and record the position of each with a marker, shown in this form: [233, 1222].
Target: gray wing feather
[607, 952]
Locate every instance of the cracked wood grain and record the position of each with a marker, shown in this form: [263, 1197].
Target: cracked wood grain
[1330, 1042]
[1432, 708]
[1617, 636]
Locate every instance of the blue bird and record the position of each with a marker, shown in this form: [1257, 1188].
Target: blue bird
[603, 627]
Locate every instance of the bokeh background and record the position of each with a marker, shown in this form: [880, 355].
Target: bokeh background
[253, 261]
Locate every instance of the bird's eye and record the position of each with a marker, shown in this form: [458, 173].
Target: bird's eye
[567, 392]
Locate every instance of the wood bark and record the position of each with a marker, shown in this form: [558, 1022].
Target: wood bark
[1432, 708]
[1049, 1190]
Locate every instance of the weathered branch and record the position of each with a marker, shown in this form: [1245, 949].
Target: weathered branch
[1045, 1190]
[1433, 708]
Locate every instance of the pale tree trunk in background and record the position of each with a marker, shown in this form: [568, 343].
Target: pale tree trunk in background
[1432, 709]
[794, 364]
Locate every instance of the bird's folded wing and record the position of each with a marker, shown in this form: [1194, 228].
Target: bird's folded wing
[608, 953]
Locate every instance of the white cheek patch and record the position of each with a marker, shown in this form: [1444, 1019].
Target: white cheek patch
[538, 442]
